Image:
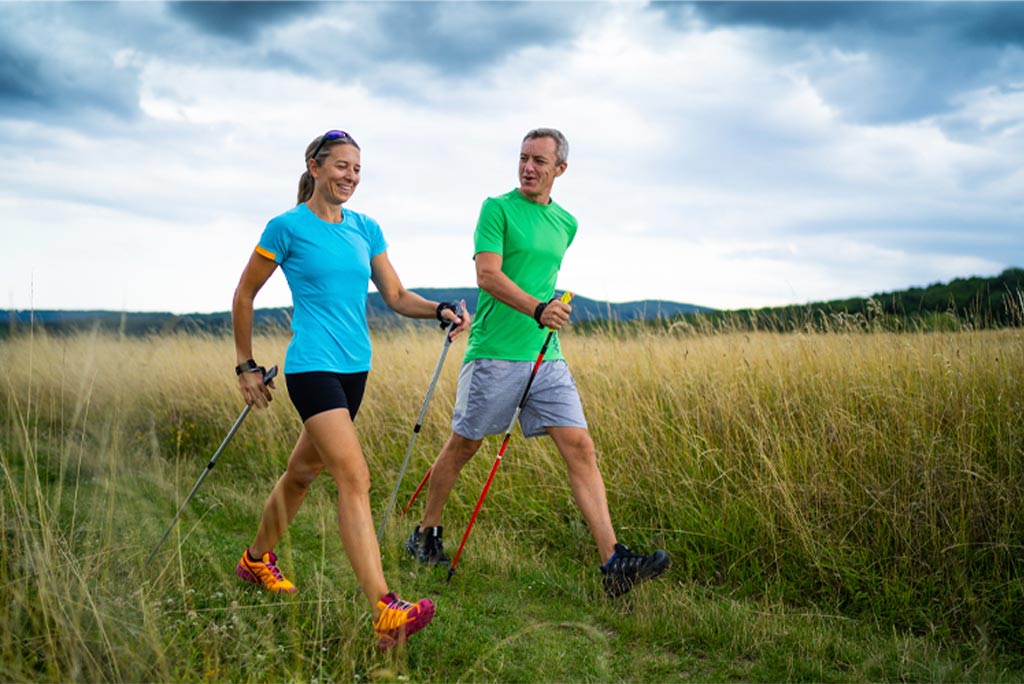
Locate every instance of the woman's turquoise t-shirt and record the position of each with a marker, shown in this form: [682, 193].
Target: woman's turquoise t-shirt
[327, 266]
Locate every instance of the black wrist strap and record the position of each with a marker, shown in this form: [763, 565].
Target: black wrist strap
[538, 311]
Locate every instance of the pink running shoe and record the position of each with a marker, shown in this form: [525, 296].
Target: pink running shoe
[400, 619]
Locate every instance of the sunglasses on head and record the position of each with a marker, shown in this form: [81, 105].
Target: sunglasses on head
[329, 135]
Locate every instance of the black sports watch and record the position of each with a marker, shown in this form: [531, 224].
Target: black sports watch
[247, 366]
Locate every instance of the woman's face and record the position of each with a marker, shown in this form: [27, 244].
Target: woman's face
[336, 179]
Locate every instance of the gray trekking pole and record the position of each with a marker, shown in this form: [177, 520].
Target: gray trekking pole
[267, 377]
[419, 424]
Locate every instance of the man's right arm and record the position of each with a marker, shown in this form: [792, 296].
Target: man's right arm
[491, 279]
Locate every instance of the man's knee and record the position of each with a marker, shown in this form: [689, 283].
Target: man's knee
[576, 445]
[461, 449]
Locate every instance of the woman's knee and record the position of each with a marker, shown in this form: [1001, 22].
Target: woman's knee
[301, 477]
[352, 478]
[338, 450]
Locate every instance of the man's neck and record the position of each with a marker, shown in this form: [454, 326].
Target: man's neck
[543, 200]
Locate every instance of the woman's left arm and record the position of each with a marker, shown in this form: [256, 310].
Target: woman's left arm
[406, 302]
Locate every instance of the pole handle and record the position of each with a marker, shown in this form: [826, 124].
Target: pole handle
[270, 374]
[460, 306]
[565, 299]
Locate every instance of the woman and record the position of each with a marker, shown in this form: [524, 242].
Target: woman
[328, 255]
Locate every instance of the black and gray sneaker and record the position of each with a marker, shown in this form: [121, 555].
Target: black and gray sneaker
[427, 546]
[625, 569]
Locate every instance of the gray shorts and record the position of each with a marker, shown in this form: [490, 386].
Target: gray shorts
[490, 389]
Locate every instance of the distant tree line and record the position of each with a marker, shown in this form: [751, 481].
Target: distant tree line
[986, 301]
[964, 303]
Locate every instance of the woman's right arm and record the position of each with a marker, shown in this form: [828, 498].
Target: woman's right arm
[256, 273]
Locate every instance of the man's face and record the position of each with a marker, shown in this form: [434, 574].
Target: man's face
[538, 168]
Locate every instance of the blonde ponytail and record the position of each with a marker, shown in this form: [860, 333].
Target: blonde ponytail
[305, 187]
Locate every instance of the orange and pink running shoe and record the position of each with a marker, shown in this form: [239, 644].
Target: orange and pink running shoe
[264, 572]
[400, 619]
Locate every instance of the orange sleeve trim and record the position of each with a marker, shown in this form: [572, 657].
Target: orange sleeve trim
[266, 253]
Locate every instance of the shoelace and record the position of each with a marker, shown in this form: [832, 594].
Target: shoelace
[271, 565]
[627, 561]
[394, 615]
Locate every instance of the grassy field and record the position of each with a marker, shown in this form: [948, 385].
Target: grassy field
[839, 507]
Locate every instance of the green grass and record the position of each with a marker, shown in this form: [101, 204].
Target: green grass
[838, 508]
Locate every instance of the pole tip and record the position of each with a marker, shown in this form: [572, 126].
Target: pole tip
[451, 573]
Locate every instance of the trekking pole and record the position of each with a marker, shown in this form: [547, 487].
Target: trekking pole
[267, 377]
[419, 424]
[504, 442]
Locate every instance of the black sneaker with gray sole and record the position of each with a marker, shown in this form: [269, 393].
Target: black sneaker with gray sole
[427, 546]
[626, 569]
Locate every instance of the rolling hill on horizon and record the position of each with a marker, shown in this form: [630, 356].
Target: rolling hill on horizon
[989, 295]
[378, 314]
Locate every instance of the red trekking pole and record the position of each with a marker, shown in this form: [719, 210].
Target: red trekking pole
[504, 443]
[417, 492]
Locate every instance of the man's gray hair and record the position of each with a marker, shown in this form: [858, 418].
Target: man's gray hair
[561, 144]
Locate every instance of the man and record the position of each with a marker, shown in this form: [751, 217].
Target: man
[519, 243]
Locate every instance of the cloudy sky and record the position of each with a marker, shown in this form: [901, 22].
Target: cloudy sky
[722, 154]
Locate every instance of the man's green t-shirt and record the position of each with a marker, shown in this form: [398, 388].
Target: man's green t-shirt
[531, 239]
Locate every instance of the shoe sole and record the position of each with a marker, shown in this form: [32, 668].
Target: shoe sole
[422, 619]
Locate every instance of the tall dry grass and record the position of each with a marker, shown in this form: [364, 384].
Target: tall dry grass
[879, 473]
[871, 475]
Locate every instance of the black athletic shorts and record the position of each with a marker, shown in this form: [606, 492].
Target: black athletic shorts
[319, 391]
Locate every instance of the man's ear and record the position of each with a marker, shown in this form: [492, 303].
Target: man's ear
[560, 169]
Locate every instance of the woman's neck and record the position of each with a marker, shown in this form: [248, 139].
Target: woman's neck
[324, 210]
